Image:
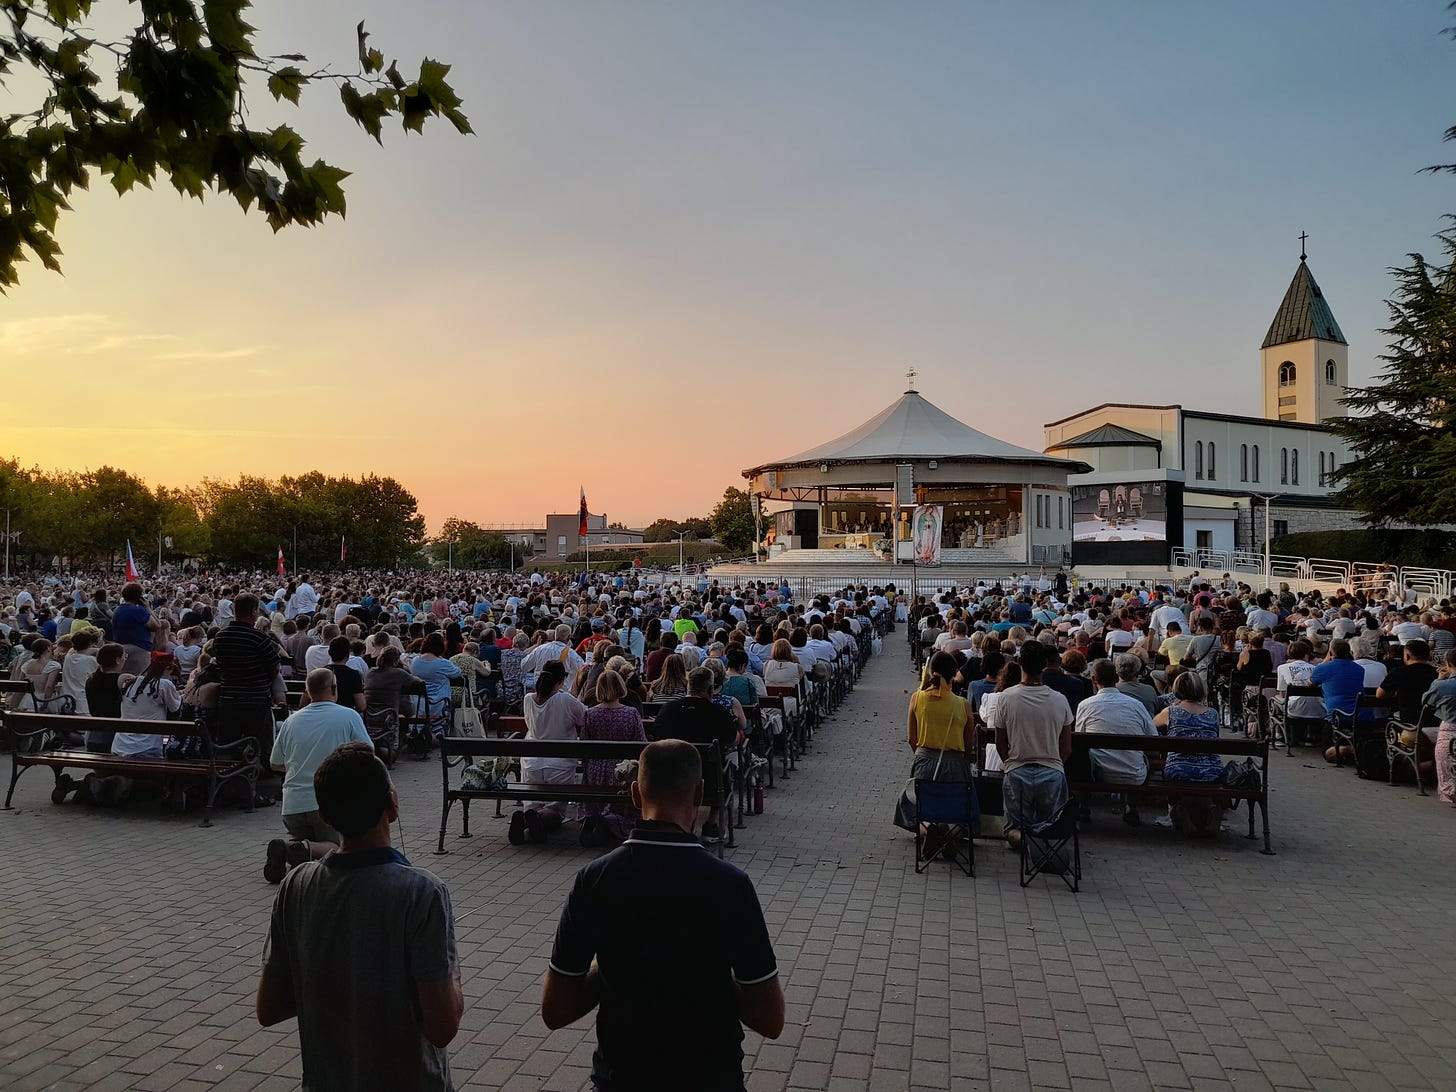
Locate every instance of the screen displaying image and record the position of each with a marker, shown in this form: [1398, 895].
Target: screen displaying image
[1126, 512]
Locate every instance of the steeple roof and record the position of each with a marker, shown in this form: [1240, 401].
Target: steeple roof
[1304, 314]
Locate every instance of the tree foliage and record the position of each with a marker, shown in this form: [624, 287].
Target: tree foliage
[732, 521]
[89, 518]
[170, 101]
[467, 545]
[1402, 428]
[666, 530]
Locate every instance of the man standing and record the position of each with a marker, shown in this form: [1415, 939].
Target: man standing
[711, 946]
[1111, 712]
[1033, 738]
[361, 947]
[306, 738]
[248, 660]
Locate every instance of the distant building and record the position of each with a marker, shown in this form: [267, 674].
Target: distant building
[558, 540]
[1205, 472]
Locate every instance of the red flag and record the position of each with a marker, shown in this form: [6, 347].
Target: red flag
[343, 549]
[131, 569]
[582, 529]
[281, 571]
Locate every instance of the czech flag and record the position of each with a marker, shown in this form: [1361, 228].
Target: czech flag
[582, 529]
[131, 569]
[281, 570]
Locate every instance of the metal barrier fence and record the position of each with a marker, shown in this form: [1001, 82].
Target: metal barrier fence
[1361, 576]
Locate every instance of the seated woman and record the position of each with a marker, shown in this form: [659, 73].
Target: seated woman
[782, 668]
[1190, 717]
[608, 720]
[940, 736]
[551, 712]
[673, 682]
[435, 671]
[150, 696]
[1254, 663]
[43, 671]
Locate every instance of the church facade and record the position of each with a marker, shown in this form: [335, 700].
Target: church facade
[1214, 471]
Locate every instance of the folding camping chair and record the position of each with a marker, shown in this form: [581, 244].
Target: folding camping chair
[1042, 850]
[950, 809]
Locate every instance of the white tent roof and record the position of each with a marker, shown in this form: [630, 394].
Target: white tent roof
[913, 428]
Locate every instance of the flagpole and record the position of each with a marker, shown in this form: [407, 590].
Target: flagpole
[7, 545]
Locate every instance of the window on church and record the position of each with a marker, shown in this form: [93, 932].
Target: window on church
[1283, 466]
[1330, 372]
[1256, 462]
[1286, 374]
[1322, 469]
[1212, 462]
[1281, 528]
[1294, 467]
[1198, 459]
[1243, 462]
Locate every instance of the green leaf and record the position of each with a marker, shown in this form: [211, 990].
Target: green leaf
[286, 83]
[225, 26]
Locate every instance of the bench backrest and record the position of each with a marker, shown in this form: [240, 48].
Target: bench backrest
[1224, 745]
[29, 723]
[15, 686]
[714, 791]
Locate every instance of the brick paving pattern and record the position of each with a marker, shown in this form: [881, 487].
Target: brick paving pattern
[132, 942]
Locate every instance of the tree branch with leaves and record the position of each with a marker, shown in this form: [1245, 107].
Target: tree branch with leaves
[171, 103]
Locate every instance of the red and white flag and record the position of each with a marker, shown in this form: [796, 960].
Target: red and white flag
[343, 549]
[131, 569]
[281, 569]
[582, 528]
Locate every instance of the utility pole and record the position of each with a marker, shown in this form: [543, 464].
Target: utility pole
[1266, 498]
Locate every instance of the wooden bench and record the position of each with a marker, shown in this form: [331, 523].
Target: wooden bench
[1229, 746]
[36, 736]
[455, 753]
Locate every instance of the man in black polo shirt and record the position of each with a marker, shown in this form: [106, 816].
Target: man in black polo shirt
[697, 719]
[248, 660]
[670, 942]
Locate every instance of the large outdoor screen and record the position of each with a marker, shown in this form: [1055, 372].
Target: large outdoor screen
[1126, 512]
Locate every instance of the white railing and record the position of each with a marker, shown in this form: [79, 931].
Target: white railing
[1362, 576]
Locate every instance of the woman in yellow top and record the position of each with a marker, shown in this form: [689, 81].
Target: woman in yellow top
[940, 734]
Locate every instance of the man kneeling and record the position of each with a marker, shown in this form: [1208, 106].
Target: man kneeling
[307, 738]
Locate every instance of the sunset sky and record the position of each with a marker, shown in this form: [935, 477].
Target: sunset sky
[691, 237]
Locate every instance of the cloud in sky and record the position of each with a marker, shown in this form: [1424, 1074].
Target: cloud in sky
[213, 354]
[27, 335]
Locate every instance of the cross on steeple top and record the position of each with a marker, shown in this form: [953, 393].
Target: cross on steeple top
[910, 380]
[1302, 237]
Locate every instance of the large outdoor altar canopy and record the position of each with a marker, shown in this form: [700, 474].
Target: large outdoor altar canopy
[859, 488]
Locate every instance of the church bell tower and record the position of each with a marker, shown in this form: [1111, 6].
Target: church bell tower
[1305, 356]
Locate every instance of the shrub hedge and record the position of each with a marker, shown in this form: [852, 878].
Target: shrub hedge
[1427, 548]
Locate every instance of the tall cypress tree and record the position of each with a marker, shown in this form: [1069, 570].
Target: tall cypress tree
[1402, 427]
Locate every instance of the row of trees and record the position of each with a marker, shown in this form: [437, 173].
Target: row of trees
[730, 522]
[89, 517]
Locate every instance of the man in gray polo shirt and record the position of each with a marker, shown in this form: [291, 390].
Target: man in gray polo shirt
[362, 948]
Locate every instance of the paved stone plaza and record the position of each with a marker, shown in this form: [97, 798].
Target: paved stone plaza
[132, 942]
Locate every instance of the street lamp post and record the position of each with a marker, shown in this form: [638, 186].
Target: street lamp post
[1268, 575]
[7, 545]
[681, 571]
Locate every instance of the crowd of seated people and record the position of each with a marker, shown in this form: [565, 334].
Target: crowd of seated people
[577, 656]
[1195, 659]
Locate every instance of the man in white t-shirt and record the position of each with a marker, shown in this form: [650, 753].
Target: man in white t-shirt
[305, 600]
[1165, 614]
[1033, 738]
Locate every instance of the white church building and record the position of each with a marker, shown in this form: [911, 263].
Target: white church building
[1212, 471]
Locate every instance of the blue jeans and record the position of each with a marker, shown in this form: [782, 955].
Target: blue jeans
[1032, 796]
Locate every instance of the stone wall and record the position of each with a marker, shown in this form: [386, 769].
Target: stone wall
[1249, 533]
